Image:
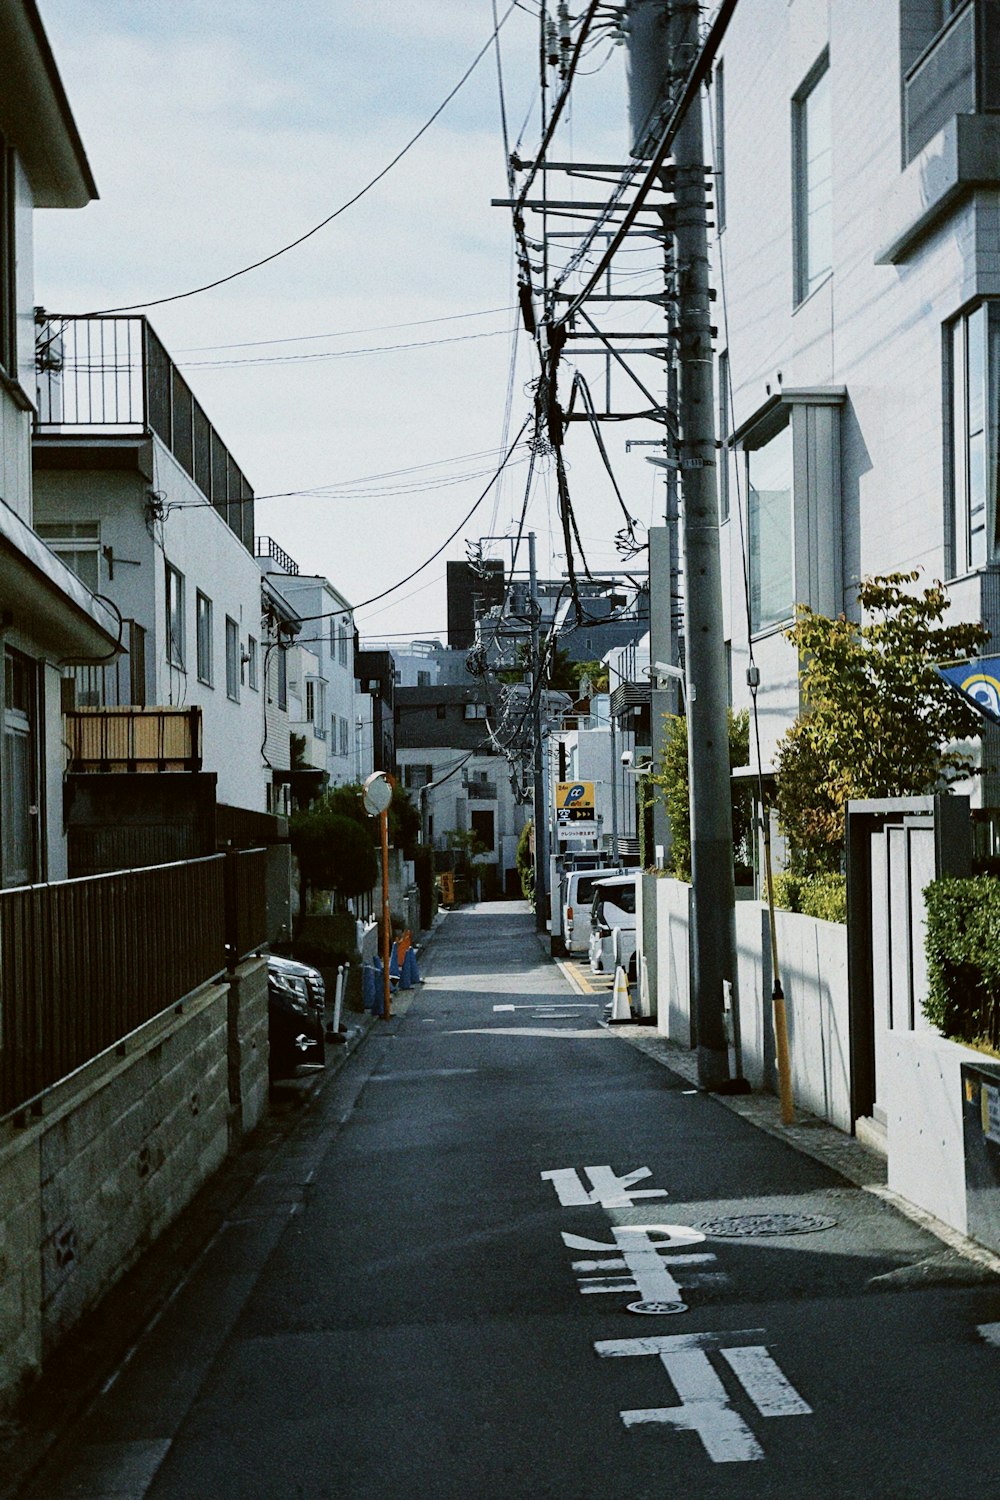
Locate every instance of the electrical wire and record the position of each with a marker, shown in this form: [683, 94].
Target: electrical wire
[327, 354]
[343, 333]
[209, 286]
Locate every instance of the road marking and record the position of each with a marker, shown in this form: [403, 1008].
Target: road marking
[990, 1332]
[605, 1188]
[550, 1005]
[705, 1406]
[634, 1251]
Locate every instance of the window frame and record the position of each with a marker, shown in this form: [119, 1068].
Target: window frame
[759, 438]
[806, 281]
[174, 612]
[966, 554]
[205, 659]
[74, 539]
[253, 664]
[233, 659]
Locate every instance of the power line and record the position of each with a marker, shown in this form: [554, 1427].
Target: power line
[209, 286]
[343, 333]
[299, 359]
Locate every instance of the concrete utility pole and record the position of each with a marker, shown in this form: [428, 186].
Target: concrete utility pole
[539, 812]
[670, 28]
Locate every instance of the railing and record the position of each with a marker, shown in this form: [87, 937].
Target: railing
[959, 73]
[266, 546]
[246, 902]
[481, 791]
[114, 374]
[83, 963]
[133, 739]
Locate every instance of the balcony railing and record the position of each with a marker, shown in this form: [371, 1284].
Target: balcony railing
[958, 74]
[133, 739]
[481, 791]
[266, 546]
[114, 375]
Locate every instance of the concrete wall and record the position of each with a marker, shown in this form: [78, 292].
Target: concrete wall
[115, 1155]
[813, 960]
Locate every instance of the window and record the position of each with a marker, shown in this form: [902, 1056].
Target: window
[342, 641]
[77, 544]
[423, 679]
[253, 663]
[232, 660]
[973, 353]
[8, 263]
[769, 492]
[475, 710]
[311, 701]
[203, 623]
[812, 182]
[175, 617]
[949, 52]
[417, 776]
[282, 670]
[344, 742]
[725, 428]
[720, 148]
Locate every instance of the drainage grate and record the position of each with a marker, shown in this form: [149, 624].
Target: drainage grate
[657, 1309]
[745, 1226]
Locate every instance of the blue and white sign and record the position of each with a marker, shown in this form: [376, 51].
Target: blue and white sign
[979, 683]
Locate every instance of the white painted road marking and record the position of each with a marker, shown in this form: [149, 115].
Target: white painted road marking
[704, 1406]
[645, 1261]
[605, 1188]
[990, 1332]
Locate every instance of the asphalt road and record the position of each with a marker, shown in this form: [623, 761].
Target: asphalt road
[509, 1255]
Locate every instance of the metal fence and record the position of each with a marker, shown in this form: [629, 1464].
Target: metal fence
[85, 962]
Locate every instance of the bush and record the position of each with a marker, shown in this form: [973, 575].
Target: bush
[324, 939]
[963, 959]
[823, 896]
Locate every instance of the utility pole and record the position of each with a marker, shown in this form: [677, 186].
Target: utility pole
[539, 813]
[666, 32]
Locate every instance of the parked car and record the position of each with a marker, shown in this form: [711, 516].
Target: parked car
[295, 1000]
[577, 895]
[612, 926]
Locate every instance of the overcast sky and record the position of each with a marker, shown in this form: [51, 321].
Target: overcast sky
[218, 133]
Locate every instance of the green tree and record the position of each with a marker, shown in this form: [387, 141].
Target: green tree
[878, 720]
[335, 852]
[672, 783]
[525, 864]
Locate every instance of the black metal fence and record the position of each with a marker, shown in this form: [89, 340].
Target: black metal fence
[85, 962]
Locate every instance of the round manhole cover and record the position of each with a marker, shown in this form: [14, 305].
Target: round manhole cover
[657, 1309]
[746, 1226]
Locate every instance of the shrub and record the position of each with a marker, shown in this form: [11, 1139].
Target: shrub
[963, 959]
[672, 784]
[525, 868]
[823, 896]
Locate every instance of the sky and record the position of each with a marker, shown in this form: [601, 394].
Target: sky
[218, 133]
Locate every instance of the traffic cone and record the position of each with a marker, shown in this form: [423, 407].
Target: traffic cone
[621, 1009]
[394, 965]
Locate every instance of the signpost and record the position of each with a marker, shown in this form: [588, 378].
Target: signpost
[576, 813]
[376, 795]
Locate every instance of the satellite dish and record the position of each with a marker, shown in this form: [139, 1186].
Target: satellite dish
[377, 794]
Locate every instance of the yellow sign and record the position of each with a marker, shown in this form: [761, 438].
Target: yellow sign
[575, 795]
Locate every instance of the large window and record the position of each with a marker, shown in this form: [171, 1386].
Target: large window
[232, 660]
[813, 182]
[769, 492]
[203, 621]
[175, 616]
[973, 354]
[342, 641]
[77, 544]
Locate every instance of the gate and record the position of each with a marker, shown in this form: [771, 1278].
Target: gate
[895, 848]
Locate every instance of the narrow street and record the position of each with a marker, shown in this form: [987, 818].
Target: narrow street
[509, 1254]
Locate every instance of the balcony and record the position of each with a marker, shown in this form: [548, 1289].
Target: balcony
[481, 791]
[268, 548]
[958, 74]
[113, 375]
[106, 740]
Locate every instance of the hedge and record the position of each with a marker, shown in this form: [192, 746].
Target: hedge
[963, 959]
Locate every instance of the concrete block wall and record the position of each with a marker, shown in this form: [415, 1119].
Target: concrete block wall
[113, 1156]
[921, 1086]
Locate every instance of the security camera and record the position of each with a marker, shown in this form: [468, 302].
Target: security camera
[627, 757]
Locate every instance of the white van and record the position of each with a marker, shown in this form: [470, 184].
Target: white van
[612, 926]
[577, 894]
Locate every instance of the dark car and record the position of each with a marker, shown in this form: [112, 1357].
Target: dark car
[295, 1000]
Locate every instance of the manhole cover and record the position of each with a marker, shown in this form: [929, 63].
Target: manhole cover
[748, 1225]
[657, 1309]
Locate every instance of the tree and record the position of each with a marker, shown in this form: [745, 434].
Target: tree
[878, 720]
[334, 851]
[525, 862]
[672, 783]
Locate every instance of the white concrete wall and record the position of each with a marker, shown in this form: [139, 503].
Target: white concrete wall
[115, 1155]
[673, 968]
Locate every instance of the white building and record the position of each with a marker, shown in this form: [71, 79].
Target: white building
[328, 632]
[858, 268]
[136, 492]
[47, 616]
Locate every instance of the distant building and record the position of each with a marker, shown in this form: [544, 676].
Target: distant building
[375, 703]
[471, 592]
